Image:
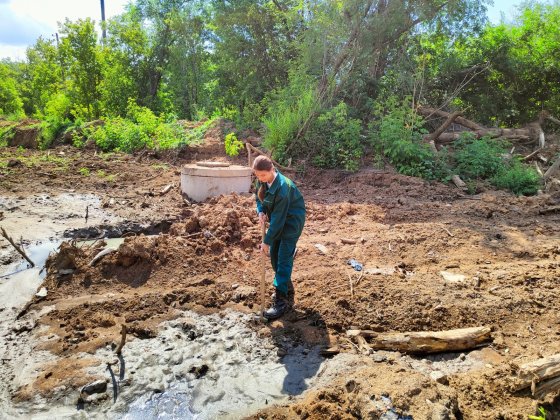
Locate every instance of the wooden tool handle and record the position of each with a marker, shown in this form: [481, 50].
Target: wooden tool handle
[263, 268]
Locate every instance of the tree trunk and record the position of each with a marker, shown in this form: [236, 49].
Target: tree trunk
[427, 342]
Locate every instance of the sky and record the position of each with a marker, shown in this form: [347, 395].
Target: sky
[23, 21]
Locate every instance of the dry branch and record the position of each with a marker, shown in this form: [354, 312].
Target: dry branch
[444, 126]
[529, 156]
[123, 339]
[17, 248]
[428, 112]
[427, 342]
[252, 149]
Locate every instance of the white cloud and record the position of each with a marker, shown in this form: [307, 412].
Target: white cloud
[23, 21]
[17, 29]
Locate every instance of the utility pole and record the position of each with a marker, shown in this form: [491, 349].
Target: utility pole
[104, 32]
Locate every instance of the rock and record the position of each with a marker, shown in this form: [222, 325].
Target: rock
[199, 371]
[12, 163]
[97, 387]
[322, 249]
[439, 377]
[453, 278]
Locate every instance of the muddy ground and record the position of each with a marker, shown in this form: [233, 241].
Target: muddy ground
[179, 255]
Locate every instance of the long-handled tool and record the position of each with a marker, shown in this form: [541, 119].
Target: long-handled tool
[263, 272]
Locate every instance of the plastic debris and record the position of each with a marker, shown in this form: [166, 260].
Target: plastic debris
[355, 265]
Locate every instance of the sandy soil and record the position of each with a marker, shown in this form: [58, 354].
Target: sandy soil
[204, 258]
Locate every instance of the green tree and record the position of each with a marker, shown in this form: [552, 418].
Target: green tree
[253, 47]
[10, 101]
[41, 76]
[81, 56]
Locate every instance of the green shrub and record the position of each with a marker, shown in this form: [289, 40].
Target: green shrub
[518, 178]
[334, 139]
[141, 129]
[478, 158]
[290, 109]
[11, 103]
[232, 144]
[397, 134]
[56, 118]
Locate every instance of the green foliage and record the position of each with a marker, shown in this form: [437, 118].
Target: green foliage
[232, 144]
[84, 171]
[478, 158]
[81, 55]
[518, 178]
[397, 134]
[10, 100]
[6, 133]
[541, 416]
[335, 139]
[141, 129]
[291, 108]
[486, 159]
[42, 77]
[56, 117]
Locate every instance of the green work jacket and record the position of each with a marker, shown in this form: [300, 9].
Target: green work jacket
[284, 206]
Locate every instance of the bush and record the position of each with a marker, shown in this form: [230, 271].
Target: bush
[397, 134]
[142, 129]
[56, 118]
[11, 103]
[232, 144]
[290, 108]
[478, 158]
[518, 178]
[334, 139]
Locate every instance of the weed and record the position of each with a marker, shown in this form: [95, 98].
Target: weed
[84, 171]
[541, 416]
[232, 144]
[518, 178]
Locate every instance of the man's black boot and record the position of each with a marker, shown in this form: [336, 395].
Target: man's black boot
[280, 305]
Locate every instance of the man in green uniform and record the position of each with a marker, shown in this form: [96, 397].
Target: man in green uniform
[279, 200]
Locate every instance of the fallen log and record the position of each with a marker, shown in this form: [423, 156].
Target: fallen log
[428, 112]
[514, 134]
[459, 183]
[542, 376]
[427, 341]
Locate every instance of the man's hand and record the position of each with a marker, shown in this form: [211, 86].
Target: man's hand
[262, 218]
[265, 248]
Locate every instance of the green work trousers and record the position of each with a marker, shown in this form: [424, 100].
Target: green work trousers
[282, 258]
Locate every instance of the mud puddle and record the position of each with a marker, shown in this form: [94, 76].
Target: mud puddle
[198, 366]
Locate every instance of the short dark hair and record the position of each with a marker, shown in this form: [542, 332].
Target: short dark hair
[262, 163]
